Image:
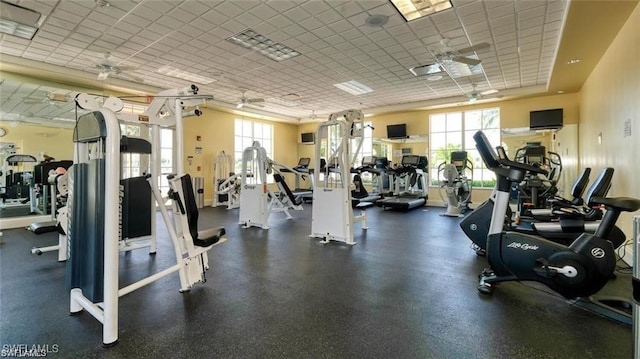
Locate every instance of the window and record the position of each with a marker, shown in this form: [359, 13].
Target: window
[365, 150]
[454, 132]
[245, 133]
[132, 164]
[166, 159]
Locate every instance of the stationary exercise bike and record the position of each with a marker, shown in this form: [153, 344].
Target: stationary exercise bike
[579, 270]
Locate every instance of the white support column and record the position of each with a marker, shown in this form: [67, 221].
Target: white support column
[112, 206]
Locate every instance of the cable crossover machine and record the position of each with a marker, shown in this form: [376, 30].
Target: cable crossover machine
[332, 212]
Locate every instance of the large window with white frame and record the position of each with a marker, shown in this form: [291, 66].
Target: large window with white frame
[453, 131]
[246, 132]
[166, 158]
[135, 164]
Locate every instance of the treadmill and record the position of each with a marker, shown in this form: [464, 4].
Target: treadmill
[368, 166]
[415, 195]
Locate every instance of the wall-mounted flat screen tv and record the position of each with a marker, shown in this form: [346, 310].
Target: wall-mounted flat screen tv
[307, 138]
[397, 131]
[545, 119]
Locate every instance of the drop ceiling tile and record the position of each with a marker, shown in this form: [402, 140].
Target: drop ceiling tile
[329, 16]
[399, 30]
[531, 22]
[75, 8]
[294, 30]
[311, 23]
[50, 36]
[497, 9]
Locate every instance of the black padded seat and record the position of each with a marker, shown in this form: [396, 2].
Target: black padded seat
[203, 238]
[625, 204]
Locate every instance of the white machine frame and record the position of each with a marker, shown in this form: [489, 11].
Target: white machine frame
[6, 149]
[191, 261]
[332, 213]
[225, 183]
[257, 200]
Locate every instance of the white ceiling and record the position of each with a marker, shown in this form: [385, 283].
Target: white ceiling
[335, 44]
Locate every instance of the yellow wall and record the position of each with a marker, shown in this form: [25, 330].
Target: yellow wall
[216, 131]
[608, 99]
[55, 142]
[513, 114]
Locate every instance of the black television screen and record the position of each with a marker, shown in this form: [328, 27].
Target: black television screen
[397, 131]
[307, 137]
[545, 119]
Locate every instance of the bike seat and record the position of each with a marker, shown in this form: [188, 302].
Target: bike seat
[625, 204]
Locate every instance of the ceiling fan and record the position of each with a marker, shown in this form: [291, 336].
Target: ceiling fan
[451, 61]
[448, 54]
[107, 68]
[475, 95]
[244, 100]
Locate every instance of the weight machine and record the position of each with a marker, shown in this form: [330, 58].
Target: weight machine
[257, 201]
[226, 183]
[17, 190]
[95, 203]
[332, 213]
[455, 183]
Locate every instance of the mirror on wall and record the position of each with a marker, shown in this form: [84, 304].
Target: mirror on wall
[394, 149]
[564, 142]
[36, 124]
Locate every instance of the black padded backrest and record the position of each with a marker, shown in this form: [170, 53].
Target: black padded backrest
[600, 186]
[190, 205]
[487, 153]
[580, 185]
[279, 179]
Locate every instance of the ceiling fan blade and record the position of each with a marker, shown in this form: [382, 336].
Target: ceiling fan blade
[125, 68]
[489, 92]
[466, 60]
[103, 75]
[129, 77]
[476, 47]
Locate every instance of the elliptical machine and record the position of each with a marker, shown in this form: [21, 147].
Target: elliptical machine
[580, 270]
[456, 183]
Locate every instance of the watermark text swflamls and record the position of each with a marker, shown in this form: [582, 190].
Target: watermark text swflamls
[28, 350]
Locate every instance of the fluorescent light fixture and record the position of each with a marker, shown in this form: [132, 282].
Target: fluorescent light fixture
[353, 87]
[177, 73]
[415, 9]
[426, 70]
[252, 40]
[19, 21]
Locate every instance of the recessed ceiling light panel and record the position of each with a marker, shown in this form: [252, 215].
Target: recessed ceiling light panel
[353, 87]
[415, 9]
[252, 40]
